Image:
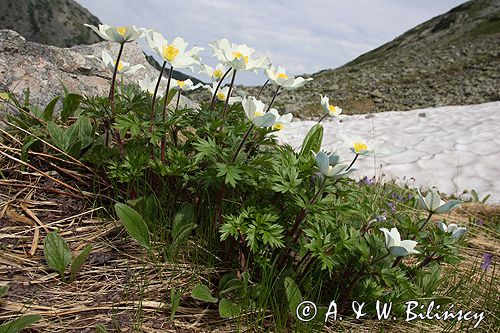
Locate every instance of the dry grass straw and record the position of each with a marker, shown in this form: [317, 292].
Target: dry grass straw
[119, 286]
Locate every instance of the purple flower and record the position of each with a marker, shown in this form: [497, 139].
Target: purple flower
[380, 218]
[480, 222]
[487, 258]
[410, 196]
[392, 206]
[367, 181]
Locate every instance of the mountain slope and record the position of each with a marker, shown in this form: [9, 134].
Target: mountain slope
[51, 22]
[452, 59]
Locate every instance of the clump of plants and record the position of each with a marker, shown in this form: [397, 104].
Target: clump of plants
[289, 224]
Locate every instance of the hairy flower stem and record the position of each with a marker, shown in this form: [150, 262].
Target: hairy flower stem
[352, 163]
[321, 119]
[398, 259]
[426, 261]
[245, 137]
[212, 102]
[303, 213]
[153, 106]
[229, 94]
[175, 130]
[164, 114]
[274, 97]
[220, 196]
[112, 101]
[262, 88]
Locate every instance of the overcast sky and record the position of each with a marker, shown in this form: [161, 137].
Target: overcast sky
[304, 36]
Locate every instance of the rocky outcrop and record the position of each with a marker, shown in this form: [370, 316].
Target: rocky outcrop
[452, 59]
[51, 22]
[45, 69]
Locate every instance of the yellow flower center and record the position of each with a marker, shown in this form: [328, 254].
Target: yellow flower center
[121, 30]
[331, 108]
[217, 73]
[239, 55]
[259, 113]
[170, 52]
[221, 96]
[278, 127]
[181, 83]
[282, 76]
[359, 146]
[120, 66]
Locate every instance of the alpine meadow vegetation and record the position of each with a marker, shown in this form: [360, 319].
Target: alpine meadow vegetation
[285, 225]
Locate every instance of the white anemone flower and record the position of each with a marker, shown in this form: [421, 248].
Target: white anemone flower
[280, 78]
[239, 57]
[455, 230]
[149, 84]
[215, 74]
[328, 108]
[185, 85]
[329, 165]
[120, 35]
[221, 93]
[434, 204]
[361, 146]
[175, 53]
[281, 121]
[122, 67]
[396, 246]
[255, 112]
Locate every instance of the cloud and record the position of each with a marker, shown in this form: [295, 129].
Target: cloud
[303, 36]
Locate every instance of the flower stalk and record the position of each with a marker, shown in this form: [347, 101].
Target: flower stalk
[212, 102]
[112, 101]
[228, 94]
[164, 114]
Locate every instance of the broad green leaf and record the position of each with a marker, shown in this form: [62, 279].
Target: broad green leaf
[20, 323]
[313, 140]
[57, 253]
[293, 294]
[134, 224]
[58, 135]
[228, 309]
[175, 298]
[71, 102]
[202, 293]
[185, 216]
[48, 112]
[100, 329]
[4, 290]
[26, 148]
[79, 260]
[171, 94]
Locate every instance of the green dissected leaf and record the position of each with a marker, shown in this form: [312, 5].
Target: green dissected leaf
[58, 135]
[48, 112]
[202, 293]
[20, 323]
[313, 140]
[4, 290]
[228, 309]
[293, 294]
[57, 253]
[134, 224]
[79, 260]
[100, 329]
[71, 102]
[175, 298]
[231, 172]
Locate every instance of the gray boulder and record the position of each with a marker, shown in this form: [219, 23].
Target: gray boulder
[44, 69]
